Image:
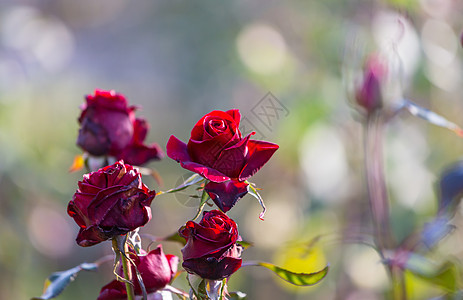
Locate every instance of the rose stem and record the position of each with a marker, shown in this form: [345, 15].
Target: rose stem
[378, 197]
[127, 270]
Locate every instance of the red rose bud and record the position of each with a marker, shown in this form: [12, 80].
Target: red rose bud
[217, 151]
[211, 251]
[368, 94]
[109, 127]
[109, 202]
[156, 270]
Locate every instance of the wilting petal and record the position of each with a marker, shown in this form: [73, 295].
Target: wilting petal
[139, 154]
[226, 194]
[90, 236]
[259, 153]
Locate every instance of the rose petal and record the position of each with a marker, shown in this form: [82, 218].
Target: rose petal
[115, 290]
[90, 236]
[206, 172]
[136, 153]
[93, 137]
[198, 246]
[139, 154]
[177, 150]
[173, 263]
[235, 114]
[259, 153]
[155, 270]
[108, 99]
[140, 130]
[226, 194]
[212, 268]
[232, 159]
[129, 213]
[206, 152]
[197, 133]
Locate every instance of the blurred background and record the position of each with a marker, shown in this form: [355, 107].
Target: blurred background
[179, 60]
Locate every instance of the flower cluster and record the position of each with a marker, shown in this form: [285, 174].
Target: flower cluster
[112, 203]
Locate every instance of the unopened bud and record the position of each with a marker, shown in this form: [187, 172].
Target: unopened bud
[368, 94]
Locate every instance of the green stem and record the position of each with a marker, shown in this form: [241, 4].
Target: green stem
[127, 270]
[376, 183]
[378, 198]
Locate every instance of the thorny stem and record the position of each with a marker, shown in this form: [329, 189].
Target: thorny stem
[378, 197]
[126, 269]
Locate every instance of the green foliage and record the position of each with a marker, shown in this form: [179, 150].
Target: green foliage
[193, 179]
[299, 279]
[58, 281]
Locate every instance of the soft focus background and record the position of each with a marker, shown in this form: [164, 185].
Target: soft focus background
[179, 60]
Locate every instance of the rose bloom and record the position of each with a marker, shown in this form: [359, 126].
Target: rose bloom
[108, 127]
[156, 269]
[217, 151]
[109, 202]
[211, 251]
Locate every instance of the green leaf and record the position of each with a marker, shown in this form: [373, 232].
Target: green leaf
[237, 296]
[299, 279]
[253, 192]
[443, 275]
[58, 281]
[195, 178]
[245, 244]
[431, 116]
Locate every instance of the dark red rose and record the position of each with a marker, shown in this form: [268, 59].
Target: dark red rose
[211, 251]
[156, 269]
[109, 127]
[368, 94]
[110, 202]
[106, 123]
[217, 151]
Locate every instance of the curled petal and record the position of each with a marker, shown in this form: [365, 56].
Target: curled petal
[259, 153]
